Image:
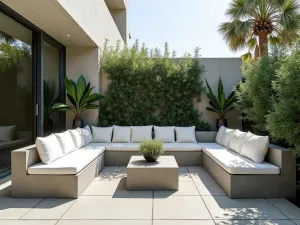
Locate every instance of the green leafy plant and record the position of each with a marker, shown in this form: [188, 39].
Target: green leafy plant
[49, 98]
[220, 104]
[283, 120]
[80, 97]
[152, 147]
[254, 95]
[255, 24]
[150, 87]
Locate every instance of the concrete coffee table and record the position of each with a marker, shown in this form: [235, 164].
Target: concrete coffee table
[160, 175]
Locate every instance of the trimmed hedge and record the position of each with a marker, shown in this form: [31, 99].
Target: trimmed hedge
[148, 87]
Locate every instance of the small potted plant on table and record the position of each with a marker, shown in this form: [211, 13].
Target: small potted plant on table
[151, 150]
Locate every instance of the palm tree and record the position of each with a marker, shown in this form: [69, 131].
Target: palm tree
[6, 38]
[254, 24]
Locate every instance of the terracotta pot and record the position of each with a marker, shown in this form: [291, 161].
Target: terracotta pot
[77, 122]
[151, 158]
[221, 122]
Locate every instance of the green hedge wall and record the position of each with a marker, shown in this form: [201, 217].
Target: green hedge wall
[148, 87]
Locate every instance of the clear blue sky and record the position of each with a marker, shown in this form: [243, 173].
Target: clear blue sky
[184, 24]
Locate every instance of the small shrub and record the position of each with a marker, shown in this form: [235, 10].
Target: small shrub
[284, 119]
[150, 87]
[255, 93]
[152, 147]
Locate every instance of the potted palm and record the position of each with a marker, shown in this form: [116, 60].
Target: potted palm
[81, 99]
[151, 150]
[220, 104]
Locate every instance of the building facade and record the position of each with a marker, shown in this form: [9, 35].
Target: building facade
[43, 41]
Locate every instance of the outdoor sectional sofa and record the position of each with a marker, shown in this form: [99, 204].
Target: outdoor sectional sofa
[69, 175]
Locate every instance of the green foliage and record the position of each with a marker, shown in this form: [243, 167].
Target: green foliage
[220, 104]
[80, 97]
[284, 118]
[10, 55]
[251, 20]
[148, 87]
[255, 94]
[49, 98]
[152, 147]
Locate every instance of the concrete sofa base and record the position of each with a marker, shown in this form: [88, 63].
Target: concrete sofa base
[49, 186]
[258, 186]
[184, 158]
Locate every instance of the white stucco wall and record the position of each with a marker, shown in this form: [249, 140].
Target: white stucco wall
[230, 71]
[94, 18]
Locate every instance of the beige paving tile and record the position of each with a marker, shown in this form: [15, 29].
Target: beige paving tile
[222, 207]
[206, 184]
[288, 208]
[14, 208]
[183, 169]
[49, 209]
[256, 222]
[106, 207]
[115, 188]
[180, 208]
[104, 222]
[185, 188]
[101, 188]
[183, 222]
[296, 222]
[121, 173]
[193, 169]
[28, 222]
[184, 176]
[107, 173]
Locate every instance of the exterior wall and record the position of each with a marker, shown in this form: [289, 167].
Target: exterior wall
[120, 18]
[230, 71]
[84, 61]
[94, 18]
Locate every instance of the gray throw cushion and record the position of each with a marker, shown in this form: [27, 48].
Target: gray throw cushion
[7, 133]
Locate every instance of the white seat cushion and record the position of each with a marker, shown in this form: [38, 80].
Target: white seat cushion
[77, 138]
[71, 163]
[185, 134]
[48, 148]
[233, 163]
[164, 134]
[123, 147]
[182, 147]
[66, 142]
[141, 133]
[237, 140]
[255, 147]
[121, 134]
[224, 135]
[102, 134]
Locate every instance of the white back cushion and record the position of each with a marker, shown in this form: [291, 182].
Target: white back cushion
[255, 147]
[66, 142]
[7, 133]
[48, 148]
[165, 134]
[102, 134]
[86, 134]
[141, 133]
[236, 141]
[77, 138]
[224, 135]
[121, 134]
[185, 134]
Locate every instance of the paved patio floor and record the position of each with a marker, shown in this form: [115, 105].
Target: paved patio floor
[199, 201]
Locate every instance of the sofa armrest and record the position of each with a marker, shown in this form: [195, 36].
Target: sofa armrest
[22, 159]
[283, 158]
